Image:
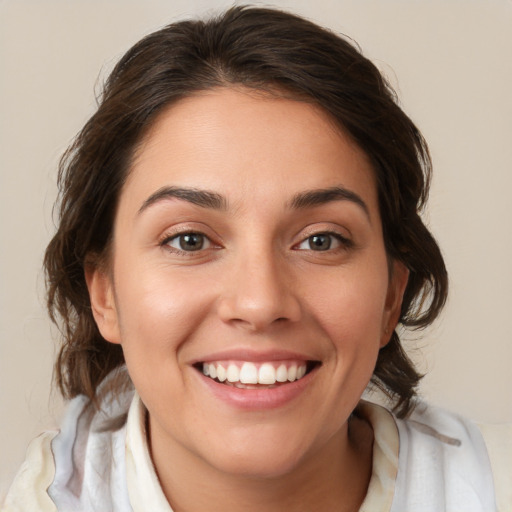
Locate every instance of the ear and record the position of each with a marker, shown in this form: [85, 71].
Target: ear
[101, 294]
[396, 289]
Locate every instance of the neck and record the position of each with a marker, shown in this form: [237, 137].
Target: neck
[335, 477]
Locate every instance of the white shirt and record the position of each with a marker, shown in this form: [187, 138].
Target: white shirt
[100, 462]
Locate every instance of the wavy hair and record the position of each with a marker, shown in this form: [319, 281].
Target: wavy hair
[262, 49]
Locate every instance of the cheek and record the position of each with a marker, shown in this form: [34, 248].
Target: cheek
[158, 309]
[349, 305]
[158, 316]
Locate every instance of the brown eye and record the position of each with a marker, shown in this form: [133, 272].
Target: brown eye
[324, 242]
[320, 242]
[188, 242]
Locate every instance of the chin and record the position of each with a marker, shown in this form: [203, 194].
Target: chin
[259, 464]
[259, 456]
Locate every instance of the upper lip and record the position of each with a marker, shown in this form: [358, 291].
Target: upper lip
[251, 355]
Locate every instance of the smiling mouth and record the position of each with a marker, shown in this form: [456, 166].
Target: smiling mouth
[249, 375]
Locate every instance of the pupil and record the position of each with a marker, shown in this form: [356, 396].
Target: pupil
[320, 242]
[191, 242]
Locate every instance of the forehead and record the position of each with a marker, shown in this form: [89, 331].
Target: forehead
[244, 142]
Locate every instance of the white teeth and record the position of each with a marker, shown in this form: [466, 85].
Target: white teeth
[292, 372]
[266, 374]
[249, 374]
[221, 373]
[233, 373]
[282, 373]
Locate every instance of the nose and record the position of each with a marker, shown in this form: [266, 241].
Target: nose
[259, 293]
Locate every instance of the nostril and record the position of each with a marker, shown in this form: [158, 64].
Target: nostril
[259, 301]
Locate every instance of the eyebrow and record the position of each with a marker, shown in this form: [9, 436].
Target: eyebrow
[203, 198]
[311, 198]
[215, 201]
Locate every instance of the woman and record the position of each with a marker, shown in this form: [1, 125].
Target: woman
[239, 238]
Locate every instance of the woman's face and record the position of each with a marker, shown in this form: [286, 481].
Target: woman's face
[248, 245]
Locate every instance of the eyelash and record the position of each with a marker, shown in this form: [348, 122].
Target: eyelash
[167, 239]
[344, 243]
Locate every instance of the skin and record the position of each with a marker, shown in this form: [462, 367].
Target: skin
[257, 285]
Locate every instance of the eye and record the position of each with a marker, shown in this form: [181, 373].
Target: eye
[188, 242]
[323, 242]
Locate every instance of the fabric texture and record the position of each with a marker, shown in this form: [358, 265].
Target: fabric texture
[498, 440]
[443, 465]
[99, 461]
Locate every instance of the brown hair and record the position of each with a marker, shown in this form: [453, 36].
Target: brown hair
[262, 49]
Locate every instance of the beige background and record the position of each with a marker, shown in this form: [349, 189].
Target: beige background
[451, 62]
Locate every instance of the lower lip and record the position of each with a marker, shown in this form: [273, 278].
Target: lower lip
[258, 399]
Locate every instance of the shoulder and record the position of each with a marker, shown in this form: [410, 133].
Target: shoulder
[80, 465]
[498, 440]
[444, 461]
[28, 491]
[89, 455]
